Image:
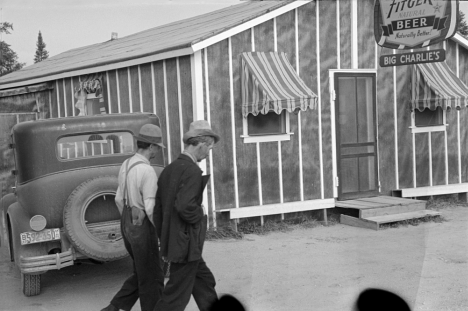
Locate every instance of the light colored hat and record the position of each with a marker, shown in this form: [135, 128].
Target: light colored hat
[200, 128]
[150, 133]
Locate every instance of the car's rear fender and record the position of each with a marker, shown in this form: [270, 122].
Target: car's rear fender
[5, 202]
[17, 223]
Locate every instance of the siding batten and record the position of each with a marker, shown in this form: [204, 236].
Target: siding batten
[139, 89]
[233, 125]
[109, 101]
[208, 117]
[130, 90]
[58, 99]
[167, 114]
[179, 101]
[153, 88]
[73, 97]
[319, 108]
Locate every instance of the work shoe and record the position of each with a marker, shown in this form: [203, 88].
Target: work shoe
[110, 308]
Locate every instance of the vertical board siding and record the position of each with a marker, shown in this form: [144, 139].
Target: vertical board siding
[452, 121]
[173, 106]
[264, 37]
[186, 90]
[328, 60]
[61, 99]
[160, 107]
[264, 42]
[68, 97]
[451, 55]
[146, 87]
[345, 34]
[386, 131]
[135, 88]
[366, 40]
[269, 169]
[286, 36]
[53, 102]
[76, 85]
[422, 159]
[246, 153]
[463, 60]
[438, 158]
[405, 141]
[124, 90]
[114, 107]
[105, 96]
[309, 119]
[220, 107]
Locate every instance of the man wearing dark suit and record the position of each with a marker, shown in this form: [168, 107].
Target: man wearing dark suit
[181, 223]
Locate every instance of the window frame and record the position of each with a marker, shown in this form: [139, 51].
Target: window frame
[257, 138]
[430, 128]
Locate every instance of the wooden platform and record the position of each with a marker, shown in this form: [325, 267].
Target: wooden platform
[375, 211]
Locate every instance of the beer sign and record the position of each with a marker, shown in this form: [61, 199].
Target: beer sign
[410, 24]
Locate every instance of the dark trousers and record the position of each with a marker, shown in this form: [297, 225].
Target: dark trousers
[192, 278]
[147, 280]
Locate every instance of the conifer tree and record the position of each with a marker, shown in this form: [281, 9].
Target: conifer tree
[41, 52]
[8, 57]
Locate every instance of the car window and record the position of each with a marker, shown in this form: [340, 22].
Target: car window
[95, 145]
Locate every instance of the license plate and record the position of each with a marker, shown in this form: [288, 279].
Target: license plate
[41, 236]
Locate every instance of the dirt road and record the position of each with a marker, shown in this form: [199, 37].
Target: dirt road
[323, 268]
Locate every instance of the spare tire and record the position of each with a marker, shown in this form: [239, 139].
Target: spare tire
[92, 219]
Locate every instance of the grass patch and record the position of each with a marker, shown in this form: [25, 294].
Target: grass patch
[251, 227]
[413, 222]
[223, 233]
[443, 202]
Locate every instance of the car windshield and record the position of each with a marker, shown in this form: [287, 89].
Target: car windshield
[95, 145]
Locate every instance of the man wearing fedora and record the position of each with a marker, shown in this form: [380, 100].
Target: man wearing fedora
[135, 199]
[181, 223]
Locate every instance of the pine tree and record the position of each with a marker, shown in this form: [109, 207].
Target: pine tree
[8, 58]
[462, 25]
[41, 52]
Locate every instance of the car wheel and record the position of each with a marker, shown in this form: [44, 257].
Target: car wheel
[31, 284]
[92, 220]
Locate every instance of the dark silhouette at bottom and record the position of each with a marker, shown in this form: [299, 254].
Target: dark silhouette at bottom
[227, 303]
[373, 299]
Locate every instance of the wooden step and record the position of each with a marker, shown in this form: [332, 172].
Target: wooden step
[375, 221]
[393, 209]
[403, 216]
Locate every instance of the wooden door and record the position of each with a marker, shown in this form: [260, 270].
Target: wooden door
[356, 135]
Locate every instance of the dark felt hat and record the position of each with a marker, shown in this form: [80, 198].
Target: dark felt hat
[200, 128]
[150, 133]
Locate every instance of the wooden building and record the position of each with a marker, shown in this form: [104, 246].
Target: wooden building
[346, 128]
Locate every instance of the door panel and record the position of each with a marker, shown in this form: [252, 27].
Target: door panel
[356, 135]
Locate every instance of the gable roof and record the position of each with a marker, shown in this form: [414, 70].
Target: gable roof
[171, 40]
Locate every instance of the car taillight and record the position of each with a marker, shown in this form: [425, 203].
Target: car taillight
[38, 222]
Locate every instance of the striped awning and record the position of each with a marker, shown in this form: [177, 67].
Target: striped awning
[435, 85]
[270, 83]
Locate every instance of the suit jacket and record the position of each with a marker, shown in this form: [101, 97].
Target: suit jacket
[178, 214]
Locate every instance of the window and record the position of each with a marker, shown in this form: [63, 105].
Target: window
[95, 145]
[266, 127]
[429, 117]
[267, 124]
[428, 120]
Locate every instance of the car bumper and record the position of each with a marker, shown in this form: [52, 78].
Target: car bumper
[47, 262]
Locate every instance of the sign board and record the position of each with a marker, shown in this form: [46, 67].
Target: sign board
[409, 24]
[428, 56]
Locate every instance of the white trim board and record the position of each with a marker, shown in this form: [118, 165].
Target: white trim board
[250, 24]
[432, 190]
[279, 208]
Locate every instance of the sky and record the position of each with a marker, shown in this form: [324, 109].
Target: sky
[69, 24]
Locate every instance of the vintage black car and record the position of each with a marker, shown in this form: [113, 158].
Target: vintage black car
[62, 208]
